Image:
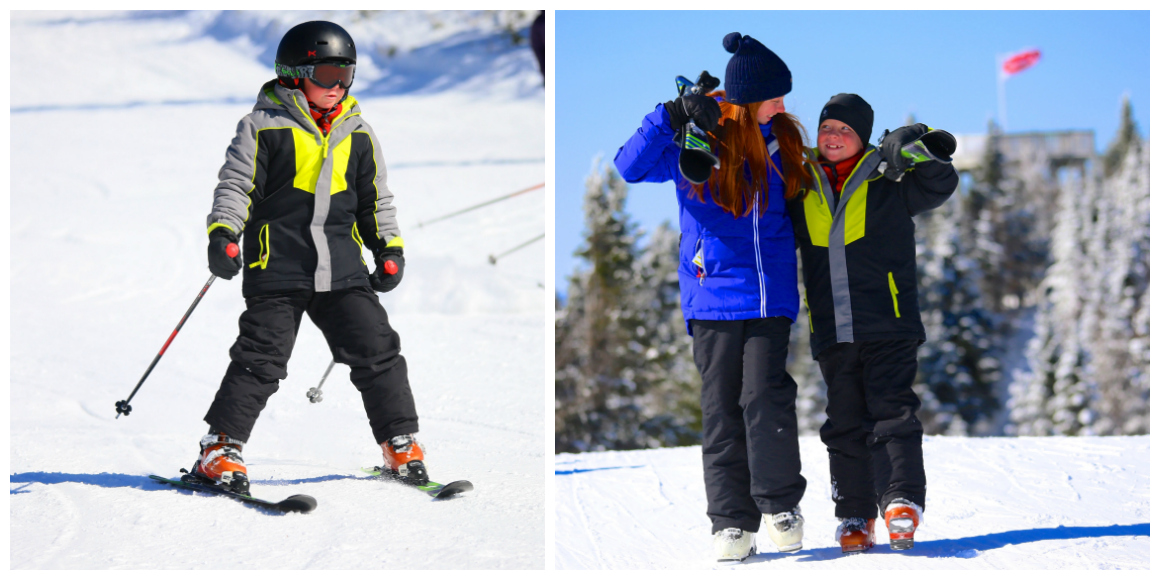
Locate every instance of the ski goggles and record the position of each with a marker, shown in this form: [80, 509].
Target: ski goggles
[323, 74]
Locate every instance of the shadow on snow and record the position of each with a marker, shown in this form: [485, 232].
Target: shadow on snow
[574, 471]
[970, 547]
[123, 480]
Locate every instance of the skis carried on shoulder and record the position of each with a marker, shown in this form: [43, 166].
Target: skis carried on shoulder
[435, 490]
[294, 503]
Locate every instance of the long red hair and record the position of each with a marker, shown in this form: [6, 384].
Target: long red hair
[745, 160]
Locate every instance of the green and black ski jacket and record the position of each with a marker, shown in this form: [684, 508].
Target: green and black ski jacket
[858, 250]
[307, 202]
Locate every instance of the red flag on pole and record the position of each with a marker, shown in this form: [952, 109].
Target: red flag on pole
[1020, 61]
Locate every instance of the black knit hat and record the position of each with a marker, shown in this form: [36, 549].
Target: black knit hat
[754, 73]
[853, 111]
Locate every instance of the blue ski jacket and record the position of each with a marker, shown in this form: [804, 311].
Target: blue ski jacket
[730, 268]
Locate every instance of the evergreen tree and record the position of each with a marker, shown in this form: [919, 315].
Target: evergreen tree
[663, 345]
[1127, 139]
[957, 365]
[1008, 216]
[597, 403]
[1054, 396]
[1119, 320]
[625, 377]
[1089, 360]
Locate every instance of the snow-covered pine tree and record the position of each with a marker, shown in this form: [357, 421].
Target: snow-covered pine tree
[1119, 320]
[663, 346]
[1053, 397]
[1089, 359]
[597, 402]
[625, 377]
[957, 365]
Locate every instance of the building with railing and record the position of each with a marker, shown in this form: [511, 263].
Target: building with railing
[1054, 149]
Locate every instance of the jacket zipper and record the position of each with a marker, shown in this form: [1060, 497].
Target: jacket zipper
[757, 252]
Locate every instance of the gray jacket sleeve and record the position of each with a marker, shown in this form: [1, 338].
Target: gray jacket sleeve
[236, 180]
[376, 212]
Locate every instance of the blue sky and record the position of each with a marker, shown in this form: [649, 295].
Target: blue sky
[614, 67]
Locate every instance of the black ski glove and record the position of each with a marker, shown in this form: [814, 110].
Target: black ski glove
[700, 109]
[892, 142]
[221, 263]
[383, 279]
[941, 144]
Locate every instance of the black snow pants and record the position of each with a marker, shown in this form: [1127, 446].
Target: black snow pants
[872, 433]
[356, 329]
[748, 403]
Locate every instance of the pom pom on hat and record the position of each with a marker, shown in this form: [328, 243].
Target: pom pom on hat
[732, 42]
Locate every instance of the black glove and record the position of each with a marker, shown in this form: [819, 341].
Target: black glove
[382, 280]
[220, 262]
[702, 110]
[941, 144]
[891, 145]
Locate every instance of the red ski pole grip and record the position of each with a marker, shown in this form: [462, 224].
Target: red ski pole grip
[390, 267]
[232, 250]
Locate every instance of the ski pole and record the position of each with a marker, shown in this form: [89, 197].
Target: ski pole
[494, 258]
[479, 205]
[315, 394]
[123, 406]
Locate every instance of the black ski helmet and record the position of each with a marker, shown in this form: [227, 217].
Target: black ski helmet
[312, 42]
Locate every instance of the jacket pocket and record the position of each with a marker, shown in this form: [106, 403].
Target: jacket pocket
[263, 247]
[893, 294]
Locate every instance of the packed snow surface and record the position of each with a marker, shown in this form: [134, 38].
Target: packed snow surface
[116, 144]
[992, 503]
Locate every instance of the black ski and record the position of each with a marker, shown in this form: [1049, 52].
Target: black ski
[294, 503]
[435, 490]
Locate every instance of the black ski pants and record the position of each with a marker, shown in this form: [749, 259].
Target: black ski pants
[748, 404]
[872, 432]
[355, 326]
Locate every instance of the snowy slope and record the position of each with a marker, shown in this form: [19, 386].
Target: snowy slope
[112, 177]
[992, 503]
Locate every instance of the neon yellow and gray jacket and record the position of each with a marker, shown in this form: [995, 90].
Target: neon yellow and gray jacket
[307, 202]
[858, 250]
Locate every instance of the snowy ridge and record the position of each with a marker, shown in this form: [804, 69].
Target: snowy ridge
[992, 503]
[111, 184]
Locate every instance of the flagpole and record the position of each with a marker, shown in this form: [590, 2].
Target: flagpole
[1002, 92]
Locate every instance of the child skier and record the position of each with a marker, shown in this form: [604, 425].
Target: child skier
[305, 179]
[856, 237]
[738, 278]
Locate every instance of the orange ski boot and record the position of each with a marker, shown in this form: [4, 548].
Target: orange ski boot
[221, 464]
[404, 456]
[902, 518]
[855, 535]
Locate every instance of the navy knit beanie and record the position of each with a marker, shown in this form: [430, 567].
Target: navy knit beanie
[754, 73]
[853, 111]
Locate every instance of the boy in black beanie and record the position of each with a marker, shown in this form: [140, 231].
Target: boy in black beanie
[855, 231]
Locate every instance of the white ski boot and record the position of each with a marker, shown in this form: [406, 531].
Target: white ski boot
[734, 545]
[786, 529]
